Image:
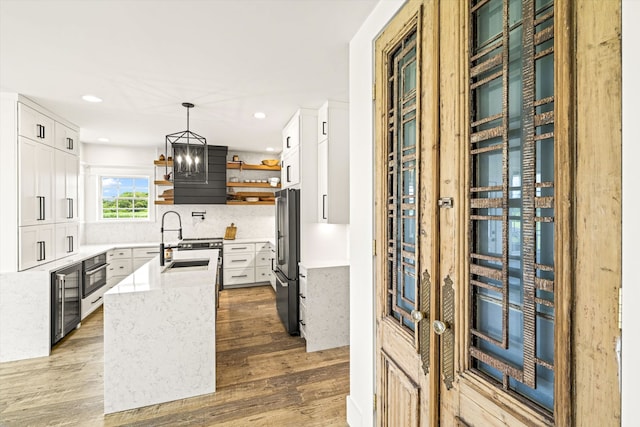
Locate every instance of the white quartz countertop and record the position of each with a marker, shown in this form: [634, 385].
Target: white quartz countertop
[152, 276]
[252, 240]
[86, 252]
[325, 264]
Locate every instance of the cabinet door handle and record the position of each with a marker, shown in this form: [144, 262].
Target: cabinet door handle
[288, 174]
[69, 244]
[288, 139]
[40, 208]
[302, 296]
[69, 144]
[302, 323]
[303, 276]
[43, 132]
[324, 128]
[324, 206]
[40, 130]
[69, 208]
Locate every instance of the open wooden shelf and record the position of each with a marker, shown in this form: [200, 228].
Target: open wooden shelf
[245, 166]
[168, 163]
[164, 202]
[242, 202]
[162, 182]
[251, 184]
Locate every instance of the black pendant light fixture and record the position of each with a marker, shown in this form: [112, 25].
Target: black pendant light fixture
[189, 152]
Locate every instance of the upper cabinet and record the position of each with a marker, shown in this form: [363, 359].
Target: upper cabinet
[34, 125]
[40, 178]
[333, 163]
[298, 150]
[35, 182]
[66, 139]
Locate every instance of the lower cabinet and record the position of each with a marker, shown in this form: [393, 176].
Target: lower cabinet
[245, 264]
[67, 241]
[122, 262]
[37, 245]
[324, 306]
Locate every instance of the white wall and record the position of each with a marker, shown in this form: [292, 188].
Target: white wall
[630, 209]
[362, 331]
[252, 221]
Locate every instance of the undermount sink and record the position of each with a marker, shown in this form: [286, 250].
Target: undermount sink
[188, 265]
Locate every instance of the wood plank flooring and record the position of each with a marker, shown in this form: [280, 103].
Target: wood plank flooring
[264, 378]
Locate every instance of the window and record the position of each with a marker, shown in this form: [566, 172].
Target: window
[124, 197]
[512, 195]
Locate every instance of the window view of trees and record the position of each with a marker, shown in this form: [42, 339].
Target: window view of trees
[125, 197]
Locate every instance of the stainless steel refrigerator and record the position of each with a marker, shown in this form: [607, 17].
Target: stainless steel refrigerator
[287, 257]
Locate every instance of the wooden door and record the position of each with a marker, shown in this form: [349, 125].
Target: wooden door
[484, 302]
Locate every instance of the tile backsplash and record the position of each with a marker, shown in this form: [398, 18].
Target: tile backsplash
[251, 221]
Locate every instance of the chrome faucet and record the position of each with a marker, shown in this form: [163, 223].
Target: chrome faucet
[162, 230]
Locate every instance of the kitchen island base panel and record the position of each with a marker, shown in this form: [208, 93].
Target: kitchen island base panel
[159, 347]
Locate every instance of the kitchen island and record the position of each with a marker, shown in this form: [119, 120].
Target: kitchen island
[159, 334]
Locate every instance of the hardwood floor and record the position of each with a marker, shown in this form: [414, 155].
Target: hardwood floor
[264, 378]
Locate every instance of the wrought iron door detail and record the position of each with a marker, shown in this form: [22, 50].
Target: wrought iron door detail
[425, 325]
[402, 182]
[448, 318]
[511, 199]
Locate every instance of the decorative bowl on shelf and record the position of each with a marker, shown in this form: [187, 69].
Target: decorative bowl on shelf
[270, 162]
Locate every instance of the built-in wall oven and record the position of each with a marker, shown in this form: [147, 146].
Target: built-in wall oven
[94, 271]
[65, 301]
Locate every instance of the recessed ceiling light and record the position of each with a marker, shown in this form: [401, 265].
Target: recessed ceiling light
[259, 115]
[103, 139]
[271, 149]
[91, 98]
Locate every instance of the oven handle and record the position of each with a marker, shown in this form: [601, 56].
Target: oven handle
[95, 270]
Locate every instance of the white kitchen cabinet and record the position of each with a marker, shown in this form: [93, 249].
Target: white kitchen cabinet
[66, 187]
[323, 122]
[291, 135]
[239, 264]
[34, 125]
[333, 163]
[66, 237]
[290, 172]
[141, 256]
[36, 245]
[298, 146]
[66, 139]
[30, 181]
[324, 306]
[248, 263]
[35, 183]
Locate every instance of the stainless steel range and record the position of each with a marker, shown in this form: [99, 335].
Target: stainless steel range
[195, 243]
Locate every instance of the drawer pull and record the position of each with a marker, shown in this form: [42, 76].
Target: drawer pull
[235, 249]
[302, 296]
[302, 323]
[244, 275]
[93, 302]
[239, 260]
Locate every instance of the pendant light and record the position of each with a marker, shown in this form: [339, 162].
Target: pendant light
[189, 152]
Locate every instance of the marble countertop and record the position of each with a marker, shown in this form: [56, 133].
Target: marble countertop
[325, 264]
[86, 252]
[152, 276]
[272, 240]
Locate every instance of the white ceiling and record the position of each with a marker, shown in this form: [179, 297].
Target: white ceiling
[144, 58]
